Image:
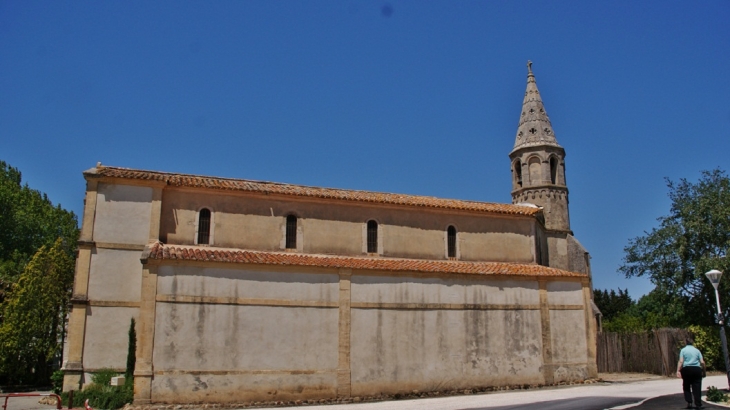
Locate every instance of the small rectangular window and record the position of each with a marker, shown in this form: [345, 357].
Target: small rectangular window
[372, 237]
[291, 232]
[451, 242]
[204, 227]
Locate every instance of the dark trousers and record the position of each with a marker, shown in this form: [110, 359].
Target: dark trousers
[692, 378]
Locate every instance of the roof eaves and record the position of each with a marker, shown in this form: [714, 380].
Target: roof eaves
[160, 251]
[194, 181]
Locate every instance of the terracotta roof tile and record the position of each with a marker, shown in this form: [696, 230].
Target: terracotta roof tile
[183, 180]
[160, 251]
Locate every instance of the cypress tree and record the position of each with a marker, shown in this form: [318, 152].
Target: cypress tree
[131, 351]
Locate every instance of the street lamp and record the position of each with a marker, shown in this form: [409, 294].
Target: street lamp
[714, 277]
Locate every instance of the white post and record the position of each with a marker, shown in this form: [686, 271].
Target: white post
[719, 311]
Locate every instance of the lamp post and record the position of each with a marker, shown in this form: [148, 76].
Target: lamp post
[714, 277]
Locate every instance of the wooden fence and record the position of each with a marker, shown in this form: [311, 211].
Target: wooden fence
[654, 352]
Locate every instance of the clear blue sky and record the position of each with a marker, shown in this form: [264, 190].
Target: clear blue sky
[418, 97]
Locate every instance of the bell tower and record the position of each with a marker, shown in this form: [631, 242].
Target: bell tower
[538, 163]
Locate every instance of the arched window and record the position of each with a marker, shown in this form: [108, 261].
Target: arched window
[291, 232]
[518, 173]
[372, 236]
[451, 241]
[553, 170]
[204, 227]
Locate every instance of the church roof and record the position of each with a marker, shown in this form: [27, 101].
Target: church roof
[228, 184]
[160, 251]
[534, 128]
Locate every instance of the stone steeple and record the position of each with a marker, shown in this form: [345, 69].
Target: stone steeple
[538, 162]
[534, 128]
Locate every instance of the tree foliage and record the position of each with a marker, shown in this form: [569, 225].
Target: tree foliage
[623, 314]
[28, 221]
[611, 303]
[707, 340]
[131, 350]
[37, 244]
[693, 239]
[34, 314]
[626, 322]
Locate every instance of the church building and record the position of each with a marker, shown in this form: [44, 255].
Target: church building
[258, 291]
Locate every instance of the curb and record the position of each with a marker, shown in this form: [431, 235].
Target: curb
[632, 405]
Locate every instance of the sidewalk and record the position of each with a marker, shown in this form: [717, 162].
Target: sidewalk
[26, 403]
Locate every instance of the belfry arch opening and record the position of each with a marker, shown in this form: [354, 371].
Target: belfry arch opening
[517, 172]
[553, 170]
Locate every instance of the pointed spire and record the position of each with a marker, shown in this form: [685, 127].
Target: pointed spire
[534, 128]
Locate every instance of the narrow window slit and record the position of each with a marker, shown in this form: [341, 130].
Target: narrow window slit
[451, 242]
[204, 227]
[291, 232]
[372, 237]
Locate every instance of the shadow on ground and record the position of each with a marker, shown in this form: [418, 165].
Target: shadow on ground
[675, 401]
[578, 403]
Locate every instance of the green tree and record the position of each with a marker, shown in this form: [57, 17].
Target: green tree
[131, 350]
[28, 220]
[34, 315]
[625, 322]
[37, 244]
[691, 240]
[611, 303]
[656, 310]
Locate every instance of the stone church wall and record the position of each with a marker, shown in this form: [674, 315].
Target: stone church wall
[212, 331]
[119, 224]
[244, 334]
[250, 333]
[114, 294]
[255, 222]
[435, 333]
[123, 214]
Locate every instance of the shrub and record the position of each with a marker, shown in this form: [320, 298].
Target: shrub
[716, 395]
[707, 340]
[103, 377]
[102, 395]
[57, 381]
[105, 397]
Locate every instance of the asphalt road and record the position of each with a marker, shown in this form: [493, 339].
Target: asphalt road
[660, 394]
[599, 396]
[578, 403]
